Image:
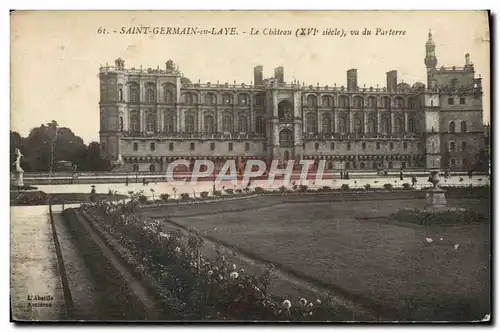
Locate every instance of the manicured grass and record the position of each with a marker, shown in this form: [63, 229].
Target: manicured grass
[29, 198]
[392, 265]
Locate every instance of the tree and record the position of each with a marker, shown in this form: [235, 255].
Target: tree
[37, 149]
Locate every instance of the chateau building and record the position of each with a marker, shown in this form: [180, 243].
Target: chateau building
[150, 117]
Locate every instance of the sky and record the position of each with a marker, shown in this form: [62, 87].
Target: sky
[55, 56]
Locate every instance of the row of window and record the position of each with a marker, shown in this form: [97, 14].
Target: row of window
[452, 127]
[452, 146]
[363, 146]
[451, 101]
[311, 124]
[243, 99]
[192, 147]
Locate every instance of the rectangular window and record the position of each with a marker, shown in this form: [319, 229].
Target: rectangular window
[450, 101]
[332, 146]
[453, 162]
[348, 146]
[230, 146]
[378, 145]
[405, 145]
[152, 146]
[316, 146]
[391, 145]
[247, 146]
[212, 146]
[418, 145]
[363, 145]
[464, 146]
[462, 101]
[264, 146]
[453, 146]
[171, 146]
[136, 147]
[191, 147]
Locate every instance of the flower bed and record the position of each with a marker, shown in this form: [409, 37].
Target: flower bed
[198, 287]
[446, 217]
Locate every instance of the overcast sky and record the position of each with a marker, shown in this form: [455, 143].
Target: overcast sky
[55, 56]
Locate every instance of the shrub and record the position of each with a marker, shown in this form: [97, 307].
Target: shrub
[217, 193]
[142, 199]
[461, 179]
[184, 196]
[238, 191]
[164, 197]
[406, 186]
[388, 186]
[230, 191]
[282, 189]
[204, 194]
[294, 187]
[367, 186]
[438, 217]
[259, 190]
[345, 186]
[303, 188]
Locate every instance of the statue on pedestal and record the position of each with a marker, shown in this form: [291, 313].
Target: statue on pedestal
[18, 180]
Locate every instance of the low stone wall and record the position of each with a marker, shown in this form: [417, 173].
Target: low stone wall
[124, 303]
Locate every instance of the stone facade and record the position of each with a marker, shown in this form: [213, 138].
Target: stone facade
[150, 117]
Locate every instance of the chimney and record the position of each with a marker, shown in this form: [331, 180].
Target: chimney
[279, 74]
[258, 75]
[352, 80]
[392, 80]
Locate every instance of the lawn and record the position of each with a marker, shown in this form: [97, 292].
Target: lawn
[341, 245]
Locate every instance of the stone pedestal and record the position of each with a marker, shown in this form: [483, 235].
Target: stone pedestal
[18, 179]
[435, 199]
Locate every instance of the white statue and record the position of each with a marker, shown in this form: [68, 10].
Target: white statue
[17, 163]
[19, 171]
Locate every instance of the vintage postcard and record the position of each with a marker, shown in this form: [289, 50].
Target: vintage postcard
[249, 166]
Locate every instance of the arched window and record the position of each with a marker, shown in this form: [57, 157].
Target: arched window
[190, 98]
[120, 92]
[463, 127]
[454, 83]
[134, 122]
[259, 99]
[210, 99]
[411, 125]
[208, 123]
[398, 126]
[259, 125]
[135, 147]
[311, 101]
[286, 138]
[227, 124]
[342, 124]
[372, 102]
[133, 92]
[243, 124]
[452, 127]
[189, 123]
[358, 125]
[343, 102]
[151, 122]
[386, 125]
[358, 102]
[412, 103]
[243, 99]
[372, 129]
[326, 101]
[327, 123]
[150, 95]
[311, 123]
[169, 123]
[386, 102]
[227, 99]
[400, 102]
[168, 93]
[285, 111]
[121, 123]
